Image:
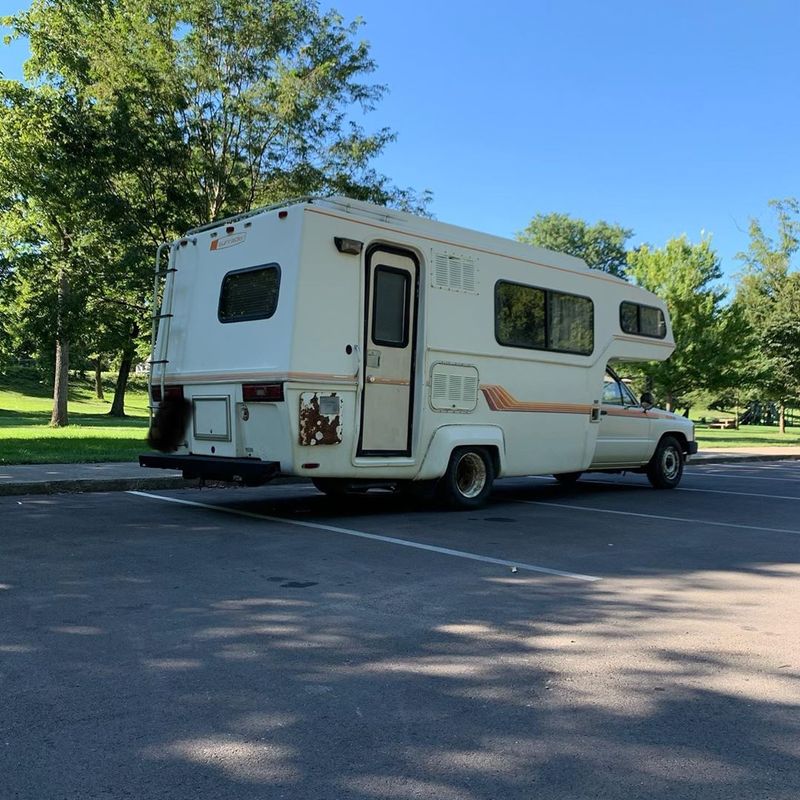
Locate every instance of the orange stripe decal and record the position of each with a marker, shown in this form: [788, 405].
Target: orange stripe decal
[500, 399]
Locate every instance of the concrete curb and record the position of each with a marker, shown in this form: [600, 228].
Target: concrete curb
[732, 459]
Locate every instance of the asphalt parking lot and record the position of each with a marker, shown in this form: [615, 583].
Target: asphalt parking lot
[603, 641]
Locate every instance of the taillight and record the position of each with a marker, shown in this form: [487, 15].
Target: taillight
[170, 393]
[262, 392]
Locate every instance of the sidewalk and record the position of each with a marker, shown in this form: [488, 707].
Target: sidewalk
[127, 476]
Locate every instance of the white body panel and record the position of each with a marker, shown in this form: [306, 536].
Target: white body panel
[538, 410]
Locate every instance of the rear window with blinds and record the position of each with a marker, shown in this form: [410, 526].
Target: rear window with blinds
[249, 294]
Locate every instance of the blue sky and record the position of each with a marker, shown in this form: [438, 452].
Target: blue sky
[666, 116]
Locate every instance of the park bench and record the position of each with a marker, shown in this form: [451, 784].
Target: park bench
[722, 424]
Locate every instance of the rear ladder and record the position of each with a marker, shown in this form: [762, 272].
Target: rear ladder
[163, 293]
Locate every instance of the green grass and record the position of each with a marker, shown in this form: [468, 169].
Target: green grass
[27, 438]
[746, 436]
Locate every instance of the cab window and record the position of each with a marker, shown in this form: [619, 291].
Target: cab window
[612, 394]
[628, 395]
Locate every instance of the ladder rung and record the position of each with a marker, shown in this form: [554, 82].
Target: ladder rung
[166, 271]
[162, 316]
[162, 361]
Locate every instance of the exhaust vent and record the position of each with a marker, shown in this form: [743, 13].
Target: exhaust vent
[454, 387]
[453, 271]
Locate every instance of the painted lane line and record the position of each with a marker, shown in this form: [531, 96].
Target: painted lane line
[660, 516]
[694, 474]
[737, 494]
[679, 489]
[375, 537]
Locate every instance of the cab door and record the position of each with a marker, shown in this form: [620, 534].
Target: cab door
[625, 428]
[387, 403]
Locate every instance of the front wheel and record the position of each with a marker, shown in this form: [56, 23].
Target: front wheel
[665, 468]
[469, 477]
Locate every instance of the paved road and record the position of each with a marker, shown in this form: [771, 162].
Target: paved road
[608, 641]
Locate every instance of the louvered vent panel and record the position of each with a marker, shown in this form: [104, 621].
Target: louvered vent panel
[454, 272]
[441, 274]
[469, 391]
[439, 388]
[454, 387]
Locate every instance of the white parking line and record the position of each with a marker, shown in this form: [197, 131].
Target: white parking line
[679, 489]
[694, 474]
[375, 537]
[594, 510]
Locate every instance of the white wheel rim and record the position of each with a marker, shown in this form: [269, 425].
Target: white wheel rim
[470, 475]
[670, 463]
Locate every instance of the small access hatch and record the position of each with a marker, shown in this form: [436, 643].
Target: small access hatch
[211, 417]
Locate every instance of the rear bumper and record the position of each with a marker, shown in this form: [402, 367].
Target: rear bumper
[249, 471]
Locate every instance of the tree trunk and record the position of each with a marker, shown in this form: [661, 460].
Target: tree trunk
[782, 417]
[669, 402]
[98, 379]
[118, 405]
[60, 417]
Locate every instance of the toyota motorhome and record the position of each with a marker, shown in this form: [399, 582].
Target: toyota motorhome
[361, 346]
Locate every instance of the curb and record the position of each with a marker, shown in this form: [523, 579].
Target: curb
[76, 486]
[730, 459]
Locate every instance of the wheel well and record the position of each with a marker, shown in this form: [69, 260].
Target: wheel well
[679, 437]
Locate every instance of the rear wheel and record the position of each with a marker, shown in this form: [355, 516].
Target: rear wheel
[568, 478]
[665, 469]
[469, 477]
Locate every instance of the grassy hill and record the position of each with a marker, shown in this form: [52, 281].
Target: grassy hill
[26, 437]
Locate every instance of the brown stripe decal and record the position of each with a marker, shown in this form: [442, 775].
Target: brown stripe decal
[239, 377]
[500, 399]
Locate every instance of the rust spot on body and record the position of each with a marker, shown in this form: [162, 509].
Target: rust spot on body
[320, 419]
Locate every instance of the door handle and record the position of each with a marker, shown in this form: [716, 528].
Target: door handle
[371, 379]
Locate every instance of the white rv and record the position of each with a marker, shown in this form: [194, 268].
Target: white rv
[360, 346]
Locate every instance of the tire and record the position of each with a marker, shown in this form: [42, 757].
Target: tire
[568, 478]
[468, 480]
[665, 468]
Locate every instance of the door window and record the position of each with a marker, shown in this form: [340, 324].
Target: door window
[390, 309]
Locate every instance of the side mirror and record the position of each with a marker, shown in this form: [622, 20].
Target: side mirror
[647, 400]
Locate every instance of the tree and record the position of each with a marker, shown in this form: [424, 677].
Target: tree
[199, 108]
[769, 298]
[707, 333]
[53, 201]
[601, 246]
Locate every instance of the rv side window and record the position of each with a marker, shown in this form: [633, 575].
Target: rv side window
[390, 309]
[249, 294]
[642, 320]
[570, 323]
[526, 316]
